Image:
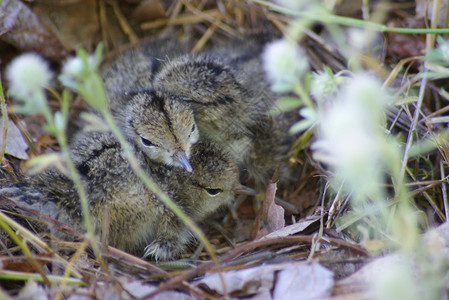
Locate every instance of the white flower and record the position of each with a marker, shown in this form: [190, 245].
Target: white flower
[28, 75]
[358, 38]
[285, 63]
[73, 67]
[351, 138]
[71, 70]
[443, 48]
[397, 279]
[325, 84]
[348, 138]
[366, 90]
[59, 121]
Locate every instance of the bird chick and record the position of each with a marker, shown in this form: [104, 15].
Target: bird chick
[134, 68]
[227, 90]
[163, 127]
[232, 102]
[160, 126]
[213, 185]
[138, 220]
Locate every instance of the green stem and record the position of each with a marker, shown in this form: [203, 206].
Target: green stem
[24, 248]
[46, 111]
[155, 188]
[5, 120]
[430, 43]
[62, 139]
[365, 9]
[301, 92]
[13, 275]
[324, 16]
[82, 195]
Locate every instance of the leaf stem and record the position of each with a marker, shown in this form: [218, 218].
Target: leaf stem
[5, 120]
[62, 139]
[324, 16]
[154, 188]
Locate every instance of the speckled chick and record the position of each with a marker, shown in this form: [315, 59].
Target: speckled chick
[163, 126]
[227, 91]
[231, 101]
[160, 125]
[138, 220]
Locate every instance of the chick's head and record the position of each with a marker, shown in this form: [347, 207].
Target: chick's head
[162, 127]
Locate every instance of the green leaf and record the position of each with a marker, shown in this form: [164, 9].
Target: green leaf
[65, 104]
[286, 104]
[444, 93]
[60, 121]
[50, 128]
[98, 55]
[302, 140]
[308, 113]
[94, 92]
[94, 122]
[44, 161]
[405, 100]
[301, 126]
[433, 75]
[82, 53]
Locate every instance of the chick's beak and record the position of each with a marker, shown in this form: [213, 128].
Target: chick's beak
[181, 157]
[244, 190]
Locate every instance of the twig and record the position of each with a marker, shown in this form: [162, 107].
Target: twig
[328, 18]
[444, 190]
[203, 40]
[69, 267]
[184, 19]
[14, 275]
[221, 25]
[24, 247]
[5, 120]
[124, 24]
[173, 283]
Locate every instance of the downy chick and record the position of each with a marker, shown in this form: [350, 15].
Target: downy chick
[134, 68]
[138, 220]
[232, 103]
[164, 128]
[160, 126]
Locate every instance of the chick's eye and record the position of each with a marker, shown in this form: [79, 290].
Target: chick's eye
[214, 192]
[146, 142]
[193, 128]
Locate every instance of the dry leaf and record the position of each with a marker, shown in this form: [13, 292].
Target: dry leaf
[399, 44]
[272, 217]
[138, 289]
[75, 23]
[303, 281]
[293, 229]
[15, 144]
[20, 27]
[23, 264]
[424, 9]
[359, 283]
[247, 281]
[274, 213]
[44, 142]
[32, 290]
[124, 289]
[295, 280]
[149, 10]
